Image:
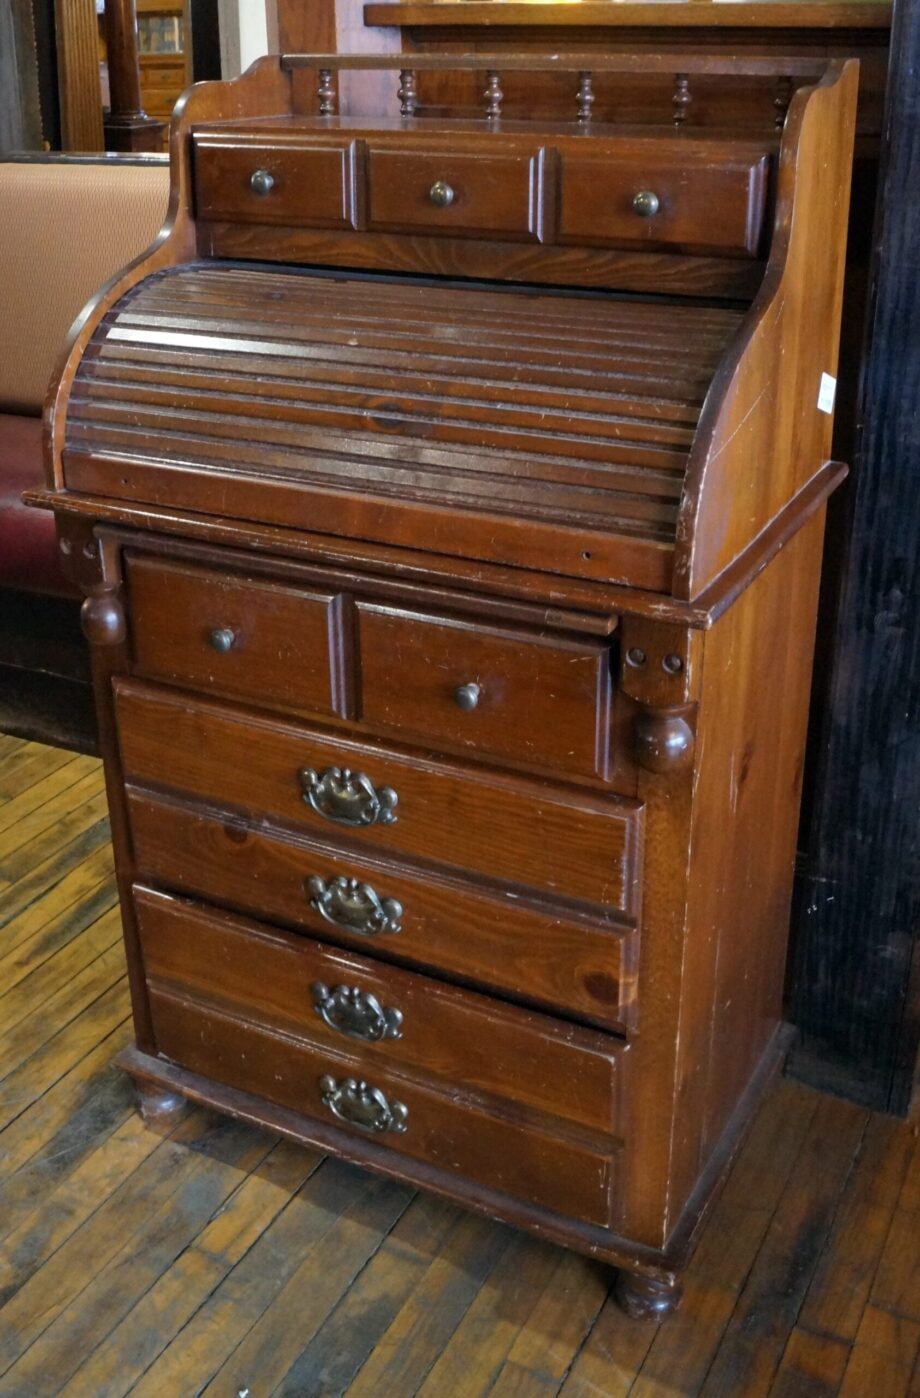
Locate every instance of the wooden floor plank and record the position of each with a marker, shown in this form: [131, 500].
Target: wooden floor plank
[30, 765]
[64, 828]
[411, 1345]
[139, 1339]
[82, 880]
[27, 814]
[471, 1360]
[334, 1355]
[884, 1356]
[213, 1258]
[90, 1283]
[35, 947]
[772, 1295]
[843, 1278]
[200, 1349]
[312, 1291]
[549, 1340]
[30, 1034]
[812, 1366]
[687, 1345]
[53, 875]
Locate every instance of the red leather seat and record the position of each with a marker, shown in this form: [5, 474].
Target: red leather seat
[29, 556]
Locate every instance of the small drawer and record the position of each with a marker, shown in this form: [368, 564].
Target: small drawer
[572, 1173]
[570, 842]
[251, 182]
[530, 698]
[239, 636]
[384, 1015]
[491, 190]
[687, 197]
[584, 967]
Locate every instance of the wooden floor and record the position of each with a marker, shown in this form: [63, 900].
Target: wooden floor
[217, 1259]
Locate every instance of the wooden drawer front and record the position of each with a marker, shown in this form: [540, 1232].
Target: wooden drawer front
[535, 699]
[313, 185]
[494, 190]
[237, 636]
[579, 967]
[467, 1041]
[573, 1176]
[703, 206]
[576, 845]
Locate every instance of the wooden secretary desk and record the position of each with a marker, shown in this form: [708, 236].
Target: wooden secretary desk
[448, 495]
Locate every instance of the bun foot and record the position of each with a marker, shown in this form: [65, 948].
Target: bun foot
[156, 1105]
[647, 1298]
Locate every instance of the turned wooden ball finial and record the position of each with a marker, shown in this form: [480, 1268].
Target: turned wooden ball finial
[103, 620]
[664, 740]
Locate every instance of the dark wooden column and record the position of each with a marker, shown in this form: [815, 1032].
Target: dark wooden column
[127, 126]
[857, 973]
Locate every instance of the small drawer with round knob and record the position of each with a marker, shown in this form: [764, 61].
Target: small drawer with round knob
[465, 187]
[535, 699]
[243, 637]
[679, 192]
[301, 183]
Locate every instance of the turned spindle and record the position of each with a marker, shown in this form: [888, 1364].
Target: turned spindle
[407, 92]
[585, 96]
[781, 99]
[681, 98]
[493, 95]
[326, 93]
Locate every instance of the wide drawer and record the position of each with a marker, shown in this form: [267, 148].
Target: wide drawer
[411, 1022]
[303, 183]
[487, 189]
[533, 953]
[570, 842]
[531, 698]
[688, 197]
[572, 1174]
[239, 636]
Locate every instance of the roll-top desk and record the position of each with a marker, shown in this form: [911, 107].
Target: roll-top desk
[447, 490]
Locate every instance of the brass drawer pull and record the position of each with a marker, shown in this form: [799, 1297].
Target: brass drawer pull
[347, 797]
[354, 906]
[355, 1012]
[261, 182]
[646, 203]
[467, 696]
[221, 639]
[358, 1104]
[441, 194]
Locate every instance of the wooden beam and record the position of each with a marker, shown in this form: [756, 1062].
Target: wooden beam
[855, 999]
[78, 75]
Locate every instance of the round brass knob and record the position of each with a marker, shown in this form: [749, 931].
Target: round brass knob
[222, 639]
[261, 181]
[467, 697]
[441, 194]
[646, 203]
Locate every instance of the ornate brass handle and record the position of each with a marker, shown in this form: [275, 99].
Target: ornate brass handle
[261, 182]
[355, 906]
[355, 1012]
[441, 194]
[221, 639]
[347, 797]
[358, 1104]
[646, 203]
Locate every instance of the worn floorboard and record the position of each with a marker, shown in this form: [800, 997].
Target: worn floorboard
[215, 1259]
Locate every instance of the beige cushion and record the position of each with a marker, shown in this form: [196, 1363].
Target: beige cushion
[64, 231]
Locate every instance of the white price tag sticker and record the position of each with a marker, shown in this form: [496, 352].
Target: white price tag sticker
[827, 392]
